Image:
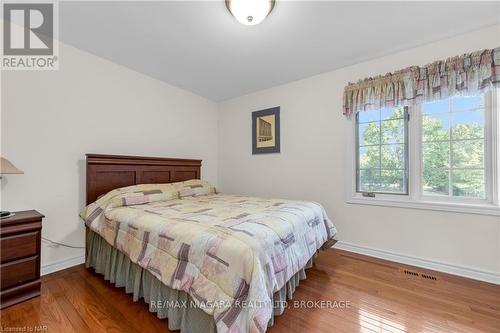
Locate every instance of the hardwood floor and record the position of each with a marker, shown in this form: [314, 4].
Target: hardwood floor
[377, 297]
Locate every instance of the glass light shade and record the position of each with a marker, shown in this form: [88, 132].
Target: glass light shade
[250, 12]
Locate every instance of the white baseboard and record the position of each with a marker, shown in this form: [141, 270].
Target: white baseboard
[464, 271]
[62, 264]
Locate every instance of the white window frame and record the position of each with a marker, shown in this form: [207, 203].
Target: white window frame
[415, 198]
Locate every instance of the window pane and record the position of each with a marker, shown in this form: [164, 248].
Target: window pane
[369, 157]
[467, 154]
[467, 125]
[393, 131]
[453, 147]
[381, 145]
[461, 103]
[366, 116]
[435, 181]
[369, 180]
[435, 107]
[392, 113]
[435, 127]
[436, 155]
[392, 156]
[369, 134]
[392, 181]
[468, 183]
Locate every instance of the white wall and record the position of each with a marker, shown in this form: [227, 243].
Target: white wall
[50, 119]
[311, 165]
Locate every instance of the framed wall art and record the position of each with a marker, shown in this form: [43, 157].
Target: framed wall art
[266, 131]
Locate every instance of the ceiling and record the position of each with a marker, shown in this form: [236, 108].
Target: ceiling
[198, 46]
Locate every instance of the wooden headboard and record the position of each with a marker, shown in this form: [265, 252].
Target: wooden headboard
[108, 172]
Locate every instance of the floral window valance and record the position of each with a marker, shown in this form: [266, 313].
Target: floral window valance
[461, 75]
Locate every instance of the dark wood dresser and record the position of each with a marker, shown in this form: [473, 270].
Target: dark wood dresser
[20, 240]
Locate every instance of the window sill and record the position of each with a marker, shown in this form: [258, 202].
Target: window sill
[481, 209]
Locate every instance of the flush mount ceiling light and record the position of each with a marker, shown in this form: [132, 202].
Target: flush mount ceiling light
[250, 12]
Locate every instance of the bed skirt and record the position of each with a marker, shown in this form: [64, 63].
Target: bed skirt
[118, 269]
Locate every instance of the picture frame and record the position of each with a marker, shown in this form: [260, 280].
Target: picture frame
[266, 131]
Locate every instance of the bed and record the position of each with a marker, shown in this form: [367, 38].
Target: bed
[207, 261]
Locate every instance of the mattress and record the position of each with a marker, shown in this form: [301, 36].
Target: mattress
[229, 253]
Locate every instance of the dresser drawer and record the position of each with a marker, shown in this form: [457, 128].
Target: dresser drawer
[18, 272]
[19, 246]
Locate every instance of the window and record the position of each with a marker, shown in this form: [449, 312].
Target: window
[382, 151]
[453, 147]
[439, 155]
